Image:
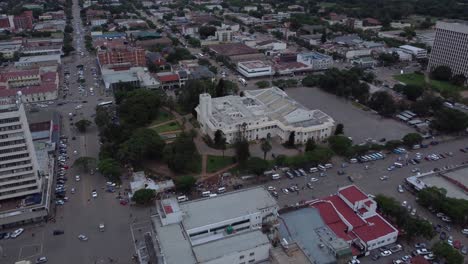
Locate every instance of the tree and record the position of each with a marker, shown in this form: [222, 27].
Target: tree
[412, 92]
[262, 84]
[383, 103]
[339, 129]
[206, 31]
[412, 139]
[84, 163]
[292, 139]
[458, 79]
[450, 120]
[266, 147]
[447, 252]
[185, 183]
[82, 125]
[182, 154]
[139, 107]
[144, 196]
[341, 145]
[311, 80]
[257, 165]
[242, 150]
[110, 168]
[310, 145]
[218, 137]
[143, 144]
[441, 73]
[388, 59]
[323, 38]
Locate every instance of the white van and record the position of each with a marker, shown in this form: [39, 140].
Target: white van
[328, 166]
[213, 195]
[398, 165]
[313, 169]
[221, 189]
[353, 160]
[182, 198]
[206, 194]
[322, 168]
[275, 176]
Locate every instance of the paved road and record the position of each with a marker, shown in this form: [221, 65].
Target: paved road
[82, 214]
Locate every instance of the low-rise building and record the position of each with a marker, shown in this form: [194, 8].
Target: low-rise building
[134, 76]
[191, 232]
[140, 181]
[418, 53]
[252, 69]
[35, 84]
[317, 61]
[352, 216]
[264, 113]
[38, 61]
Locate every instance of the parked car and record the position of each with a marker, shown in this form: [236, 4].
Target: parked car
[58, 232]
[17, 233]
[386, 253]
[82, 237]
[41, 260]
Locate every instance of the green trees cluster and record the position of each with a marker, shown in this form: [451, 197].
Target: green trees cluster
[144, 143]
[436, 198]
[144, 196]
[83, 125]
[341, 145]
[444, 73]
[188, 98]
[450, 120]
[383, 103]
[139, 107]
[412, 92]
[110, 168]
[179, 54]
[447, 252]
[318, 155]
[182, 155]
[343, 83]
[412, 227]
[412, 139]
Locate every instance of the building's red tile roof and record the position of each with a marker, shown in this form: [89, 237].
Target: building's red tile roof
[376, 227]
[346, 211]
[168, 78]
[353, 194]
[5, 76]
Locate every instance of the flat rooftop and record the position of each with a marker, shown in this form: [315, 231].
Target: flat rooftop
[271, 103]
[232, 49]
[254, 64]
[315, 56]
[305, 227]
[229, 244]
[226, 206]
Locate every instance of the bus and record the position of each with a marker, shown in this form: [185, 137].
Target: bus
[105, 103]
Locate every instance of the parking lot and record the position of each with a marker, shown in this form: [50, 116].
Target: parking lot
[358, 124]
[369, 181]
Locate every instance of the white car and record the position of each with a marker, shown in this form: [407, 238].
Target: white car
[384, 178]
[94, 194]
[313, 179]
[400, 189]
[271, 188]
[77, 178]
[83, 238]
[285, 191]
[404, 203]
[17, 232]
[386, 253]
[465, 231]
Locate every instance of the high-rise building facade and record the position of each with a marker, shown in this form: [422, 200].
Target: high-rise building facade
[450, 47]
[19, 174]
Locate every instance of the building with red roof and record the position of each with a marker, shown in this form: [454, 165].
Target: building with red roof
[35, 85]
[352, 216]
[24, 21]
[122, 55]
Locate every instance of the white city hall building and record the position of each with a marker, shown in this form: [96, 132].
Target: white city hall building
[263, 113]
[18, 163]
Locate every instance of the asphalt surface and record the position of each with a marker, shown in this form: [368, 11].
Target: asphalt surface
[82, 214]
[369, 181]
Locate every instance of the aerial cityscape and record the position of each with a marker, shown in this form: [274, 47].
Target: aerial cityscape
[233, 132]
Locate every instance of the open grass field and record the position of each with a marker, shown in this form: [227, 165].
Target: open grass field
[171, 126]
[215, 163]
[418, 79]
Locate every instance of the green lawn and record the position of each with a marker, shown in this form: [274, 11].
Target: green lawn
[215, 163]
[163, 116]
[418, 79]
[167, 127]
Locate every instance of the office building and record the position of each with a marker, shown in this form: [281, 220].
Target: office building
[317, 61]
[221, 229]
[263, 113]
[19, 175]
[418, 53]
[255, 68]
[450, 47]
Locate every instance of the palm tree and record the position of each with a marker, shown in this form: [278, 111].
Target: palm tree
[266, 147]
